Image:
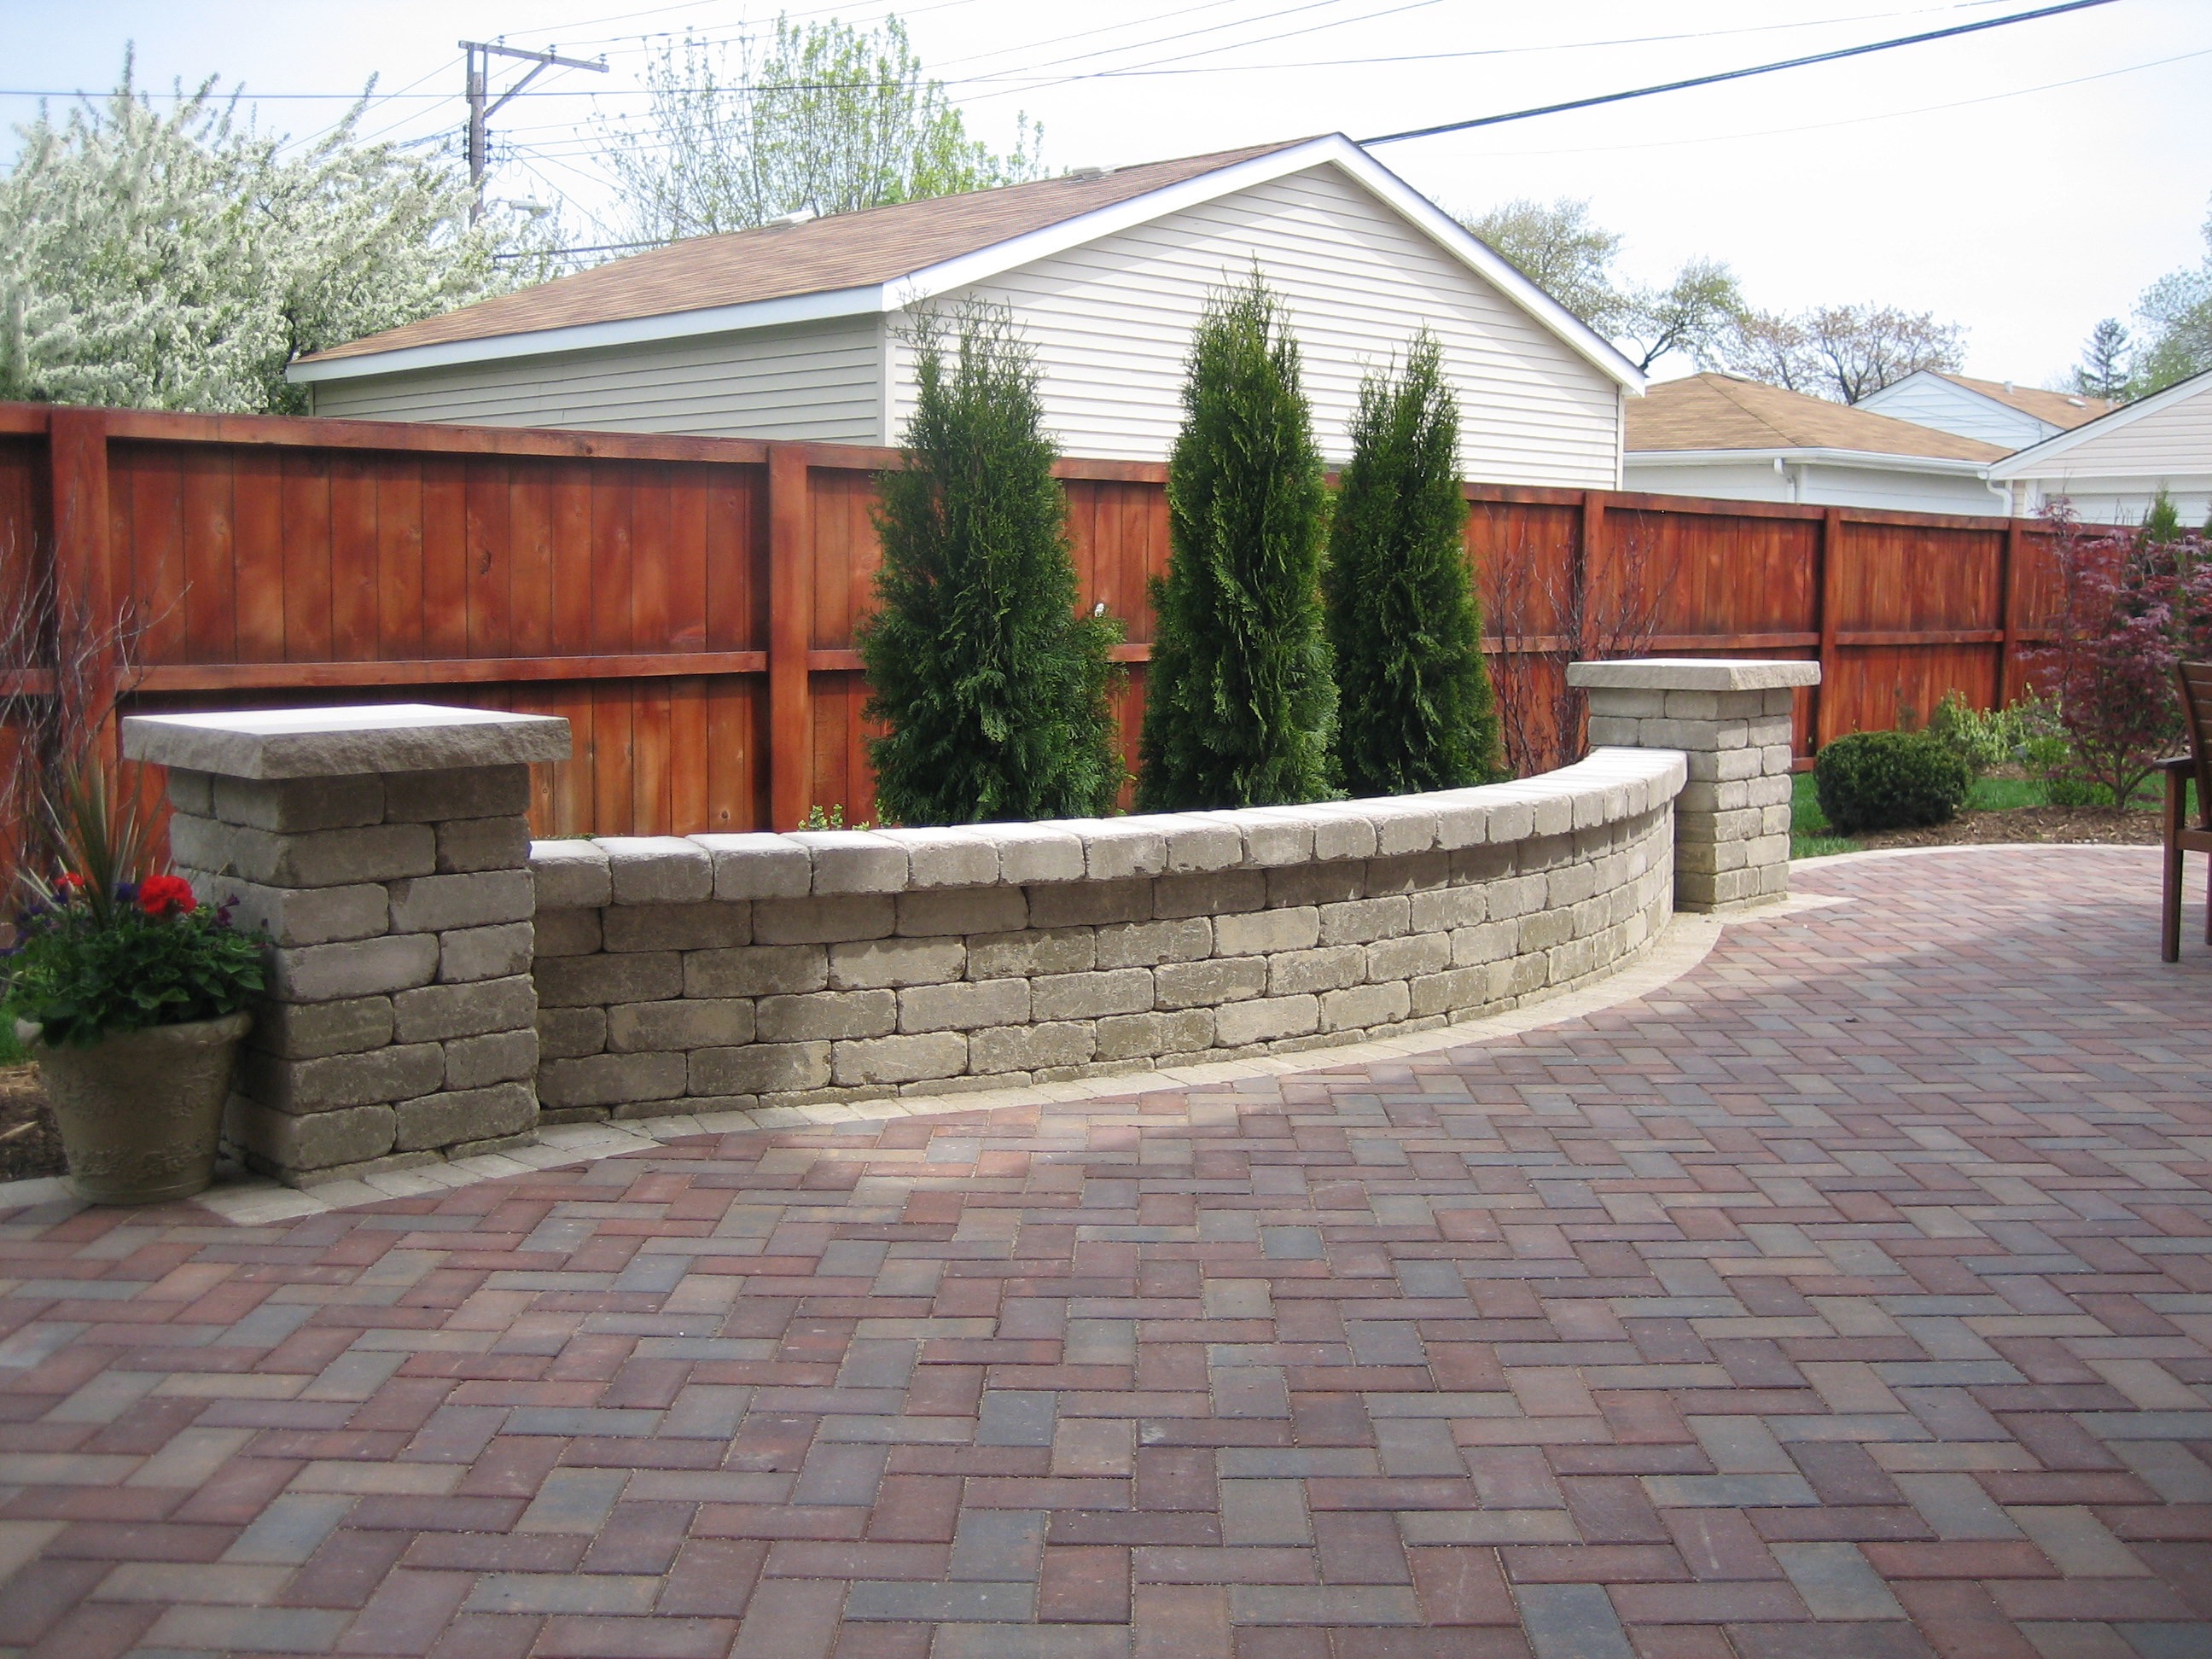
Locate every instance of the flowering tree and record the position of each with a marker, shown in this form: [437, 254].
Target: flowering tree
[2132, 606]
[181, 260]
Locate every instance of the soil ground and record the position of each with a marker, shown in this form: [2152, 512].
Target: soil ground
[29, 1143]
[2094, 826]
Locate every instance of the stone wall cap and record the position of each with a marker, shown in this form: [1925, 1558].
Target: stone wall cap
[1692, 674]
[321, 743]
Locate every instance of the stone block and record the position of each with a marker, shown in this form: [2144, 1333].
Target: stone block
[1296, 971]
[1569, 883]
[1208, 984]
[284, 1144]
[1130, 1037]
[963, 1006]
[299, 916]
[571, 874]
[1362, 919]
[284, 743]
[610, 1079]
[1212, 893]
[854, 861]
[322, 858]
[1274, 835]
[760, 1069]
[1148, 944]
[292, 805]
[878, 964]
[762, 970]
[658, 869]
[1087, 996]
[470, 844]
[461, 1115]
[1117, 849]
[1692, 674]
[1090, 903]
[469, 953]
[1453, 991]
[1403, 826]
[477, 1062]
[1543, 929]
[1196, 844]
[1037, 852]
[566, 932]
[1408, 872]
[569, 1033]
[1236, 1023]
[1460, 823]
[709, 926]
[1609, 727]
[687, 1022]
[191, 792]
[395, 1072]
[465, 792]
[899, 1059]
[1293, 884]
[1034, 952]
[1359, 1006]
[1410, 958]
[1447, 907]
[1724, 764]
[824, 920]
[1632, 705]
[309, 1031]
[1261, 931]
[828, 1015]
[1342, 830]
[588, 982]
[947, 858]
[438, 1013]
[433, 904]
[758, 866]
[355, 967]
[1031, 1048]
[1493, 941]
[962, 910]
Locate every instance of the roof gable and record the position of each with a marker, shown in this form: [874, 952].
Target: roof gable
[2066, 409]
[885, 259]
[1710, 411]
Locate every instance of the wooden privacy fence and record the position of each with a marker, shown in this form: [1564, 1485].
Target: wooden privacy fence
[689, 603]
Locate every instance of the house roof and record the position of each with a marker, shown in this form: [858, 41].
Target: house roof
[1706, 412]
[2027, 463]
[882, 259]
[2060, 408]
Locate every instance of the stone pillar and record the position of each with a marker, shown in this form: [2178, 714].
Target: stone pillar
[1731, 719]
[384, 852]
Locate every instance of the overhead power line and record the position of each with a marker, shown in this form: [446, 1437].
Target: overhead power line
[1837, 55]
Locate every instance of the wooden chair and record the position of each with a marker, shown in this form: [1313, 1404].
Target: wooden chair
[2181, 835]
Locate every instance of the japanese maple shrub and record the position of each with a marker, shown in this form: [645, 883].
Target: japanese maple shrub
[1239, 699]
[991, 688]
[1414, 707]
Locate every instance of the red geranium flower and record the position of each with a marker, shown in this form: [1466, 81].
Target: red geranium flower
[68, 885]
[166, 895]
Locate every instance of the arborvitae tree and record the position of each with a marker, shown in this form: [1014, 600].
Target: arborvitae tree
[1415, 710]
[992, 688]
[1239, 703]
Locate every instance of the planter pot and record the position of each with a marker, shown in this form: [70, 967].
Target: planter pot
[140, 1112]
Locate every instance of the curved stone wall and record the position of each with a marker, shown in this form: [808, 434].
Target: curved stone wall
[718, 972]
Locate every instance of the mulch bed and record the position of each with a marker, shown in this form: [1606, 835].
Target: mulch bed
[2090, 826]
[29, 1143]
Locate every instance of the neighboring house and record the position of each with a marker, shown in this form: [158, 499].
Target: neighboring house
[1995, 411]
[2112, 469]
[803, 330]
[1715, 435]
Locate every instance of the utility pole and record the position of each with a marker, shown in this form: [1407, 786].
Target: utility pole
[480, 54]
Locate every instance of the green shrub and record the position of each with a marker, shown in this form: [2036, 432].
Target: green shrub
[1984, 741]
[1889, 781]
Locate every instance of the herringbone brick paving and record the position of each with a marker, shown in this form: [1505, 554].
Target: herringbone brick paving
[1852, 1297]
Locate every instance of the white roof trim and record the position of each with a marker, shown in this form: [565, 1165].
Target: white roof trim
[987, 262]
[1864, 457]
[2026, 463]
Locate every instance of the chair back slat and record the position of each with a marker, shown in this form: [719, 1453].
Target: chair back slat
[2196, 678]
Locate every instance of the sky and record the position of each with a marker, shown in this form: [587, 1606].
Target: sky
[2024, 181]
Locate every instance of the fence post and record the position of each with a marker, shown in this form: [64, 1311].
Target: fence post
[77, 458]
[1827, 567]
[790, 603]
[2007, 620]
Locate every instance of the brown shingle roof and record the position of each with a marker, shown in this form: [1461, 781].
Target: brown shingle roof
[1719, 411]
[775, 262]
[2062, 408]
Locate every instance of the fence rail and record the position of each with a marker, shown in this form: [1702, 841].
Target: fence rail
[689, 603]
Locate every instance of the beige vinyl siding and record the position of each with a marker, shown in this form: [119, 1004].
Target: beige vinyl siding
[2177, 439]
[816, 380]
[1111, 323]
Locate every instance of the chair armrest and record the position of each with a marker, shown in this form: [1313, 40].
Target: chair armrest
[2185, 764]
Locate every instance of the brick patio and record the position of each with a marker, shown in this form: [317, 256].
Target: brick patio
[1851, 1297]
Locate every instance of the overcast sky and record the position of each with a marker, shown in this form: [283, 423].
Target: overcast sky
[2024, 181]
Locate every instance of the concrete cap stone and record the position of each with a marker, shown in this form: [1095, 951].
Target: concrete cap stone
[321, 743]
[1691, 674]
[571, 874]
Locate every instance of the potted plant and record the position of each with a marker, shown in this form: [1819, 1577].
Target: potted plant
[129, 994]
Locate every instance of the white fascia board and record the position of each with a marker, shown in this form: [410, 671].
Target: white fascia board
[1863, 457]
[986, 263]
[591, 337]
[2027, 462]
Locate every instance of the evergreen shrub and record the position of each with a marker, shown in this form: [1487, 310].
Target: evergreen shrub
[1415, 710]
[1239, 701]
[1889, 781]
[992, 690]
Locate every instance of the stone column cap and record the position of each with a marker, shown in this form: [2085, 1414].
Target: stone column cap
[1692, 674]
[322, 743]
